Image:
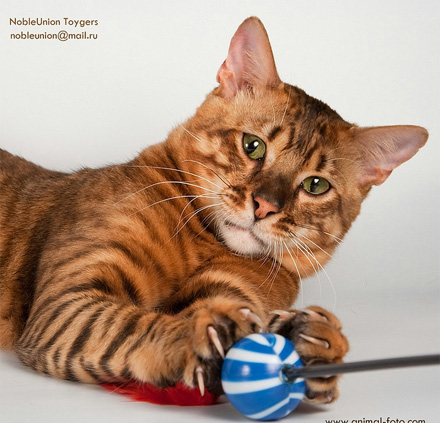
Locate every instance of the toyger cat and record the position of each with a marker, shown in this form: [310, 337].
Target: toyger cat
[151, 270]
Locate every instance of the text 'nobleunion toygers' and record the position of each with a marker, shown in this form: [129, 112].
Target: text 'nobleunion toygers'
[30, 29]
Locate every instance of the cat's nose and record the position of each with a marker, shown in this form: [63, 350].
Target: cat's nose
[264, 207]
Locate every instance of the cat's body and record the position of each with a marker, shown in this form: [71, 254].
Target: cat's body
[151, 269]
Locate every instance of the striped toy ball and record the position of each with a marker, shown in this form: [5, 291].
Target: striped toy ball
[252, 378]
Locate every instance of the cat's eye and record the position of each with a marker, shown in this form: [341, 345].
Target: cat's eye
[254, 147]
[315, 185]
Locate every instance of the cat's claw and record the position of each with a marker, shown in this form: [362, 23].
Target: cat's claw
[252, 318]
[282, 314]
[316, 341]
[319, 400]
[200, 380]
[315, 315]
[213, 336]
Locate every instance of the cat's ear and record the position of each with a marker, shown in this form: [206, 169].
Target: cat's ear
[250, 61]
[381, 149]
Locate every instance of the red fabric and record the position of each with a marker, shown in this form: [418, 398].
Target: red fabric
[176, 395]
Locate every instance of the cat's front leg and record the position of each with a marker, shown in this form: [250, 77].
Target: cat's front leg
[215, 326]
[316, 334]
[219, 310]
[223, 302]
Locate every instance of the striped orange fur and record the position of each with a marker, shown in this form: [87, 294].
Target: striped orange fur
[151, 269]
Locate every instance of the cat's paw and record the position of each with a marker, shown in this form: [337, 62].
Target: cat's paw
[216, 327]
[316, 334]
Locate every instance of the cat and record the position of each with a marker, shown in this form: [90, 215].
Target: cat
[151, 270]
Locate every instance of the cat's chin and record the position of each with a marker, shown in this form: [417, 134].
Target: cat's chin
[241, 240]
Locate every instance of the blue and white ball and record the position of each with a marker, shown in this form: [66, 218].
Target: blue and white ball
[252, 378]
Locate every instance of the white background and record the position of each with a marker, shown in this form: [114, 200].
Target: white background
[94, 102]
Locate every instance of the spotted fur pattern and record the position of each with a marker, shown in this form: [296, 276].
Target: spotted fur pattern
[152, 269]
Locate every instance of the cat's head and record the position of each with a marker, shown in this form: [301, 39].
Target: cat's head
[282, 173]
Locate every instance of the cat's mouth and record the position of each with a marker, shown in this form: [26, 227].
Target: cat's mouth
[242, 240]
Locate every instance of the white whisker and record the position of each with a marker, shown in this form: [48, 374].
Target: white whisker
[285, 109]
[306, 253]
[225, 181]
[166, 182]
[183, 210]
[297, 271]
[337, 239]
[310, 252]
[309, 240]
[275, 253]
[199, 210]
[175, 198]
[180, 171]
[341, 158]
[191, 134]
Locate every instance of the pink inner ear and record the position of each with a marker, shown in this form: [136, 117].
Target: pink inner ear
[384, 148]
[250, 60]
